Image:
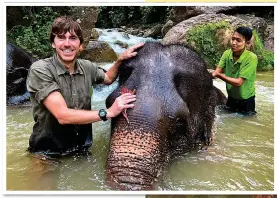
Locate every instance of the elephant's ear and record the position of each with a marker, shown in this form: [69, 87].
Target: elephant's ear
[220, 98]
[194, 85]
[129, 65]
[124, 72]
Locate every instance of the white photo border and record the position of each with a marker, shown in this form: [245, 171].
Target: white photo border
[138, 194]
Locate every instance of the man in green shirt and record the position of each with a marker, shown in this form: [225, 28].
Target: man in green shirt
[60, 89]
[239, 66]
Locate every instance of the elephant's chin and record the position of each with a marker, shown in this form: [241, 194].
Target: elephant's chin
[135, 159]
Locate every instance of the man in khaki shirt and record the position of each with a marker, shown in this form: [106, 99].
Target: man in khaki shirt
[60, 89]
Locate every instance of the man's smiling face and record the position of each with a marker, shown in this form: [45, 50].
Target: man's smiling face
[67, 47]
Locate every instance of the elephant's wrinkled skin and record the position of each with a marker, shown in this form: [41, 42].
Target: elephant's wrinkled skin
[175, 109]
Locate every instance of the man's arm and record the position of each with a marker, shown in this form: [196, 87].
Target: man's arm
[216, 71]
[56, 104]
[111, 74]
[233, 81]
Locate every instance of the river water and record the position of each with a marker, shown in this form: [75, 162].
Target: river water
[241, 158]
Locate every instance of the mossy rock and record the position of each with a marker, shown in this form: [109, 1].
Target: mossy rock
[210, 36]
[212, 39]
[178, 33]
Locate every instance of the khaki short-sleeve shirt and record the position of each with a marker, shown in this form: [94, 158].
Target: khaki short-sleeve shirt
[46, 76]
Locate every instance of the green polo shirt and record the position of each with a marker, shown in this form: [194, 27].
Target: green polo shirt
[49, 75]
[244, 67]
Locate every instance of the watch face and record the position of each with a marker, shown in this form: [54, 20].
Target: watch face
[102, 113]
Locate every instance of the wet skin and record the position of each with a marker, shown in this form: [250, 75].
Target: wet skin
[174, 110]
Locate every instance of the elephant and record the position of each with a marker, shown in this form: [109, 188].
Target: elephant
[18, 63]
[174, 111]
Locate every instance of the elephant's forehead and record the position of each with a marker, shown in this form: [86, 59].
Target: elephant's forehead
[160, 62]
[159, 88]
[159, 99]
[156, 73]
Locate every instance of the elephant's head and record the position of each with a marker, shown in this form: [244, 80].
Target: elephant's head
[174, 109]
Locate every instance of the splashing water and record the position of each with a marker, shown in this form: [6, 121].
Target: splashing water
[111, 36]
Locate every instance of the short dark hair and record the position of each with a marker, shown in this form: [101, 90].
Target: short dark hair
[64, 24]
[246, 32]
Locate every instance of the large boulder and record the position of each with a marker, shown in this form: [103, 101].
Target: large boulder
[269, 38]
[18, 63]
[178, 33]
[181, 13]
[258, 23]
[154, 32]
[167, 26]
[94, 35]
[98, 51]
[210, 36]
[86, 17]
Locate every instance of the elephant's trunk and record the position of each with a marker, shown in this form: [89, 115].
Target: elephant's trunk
[136, 158]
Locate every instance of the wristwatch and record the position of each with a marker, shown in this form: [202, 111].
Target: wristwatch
[103, 114]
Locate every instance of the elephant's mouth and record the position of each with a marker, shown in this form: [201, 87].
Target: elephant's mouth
[135, 160]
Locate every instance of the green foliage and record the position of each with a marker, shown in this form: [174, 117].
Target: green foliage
[154, 14]
[265, 57]
[146, 12]
[103, 20]
[206, 44]
[35, 37]
[204, 40]
[265, 60]
[116, 16]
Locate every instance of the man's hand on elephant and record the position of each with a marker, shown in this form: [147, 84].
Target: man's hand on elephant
[215, 74]
[121, 103]
[130, 52]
